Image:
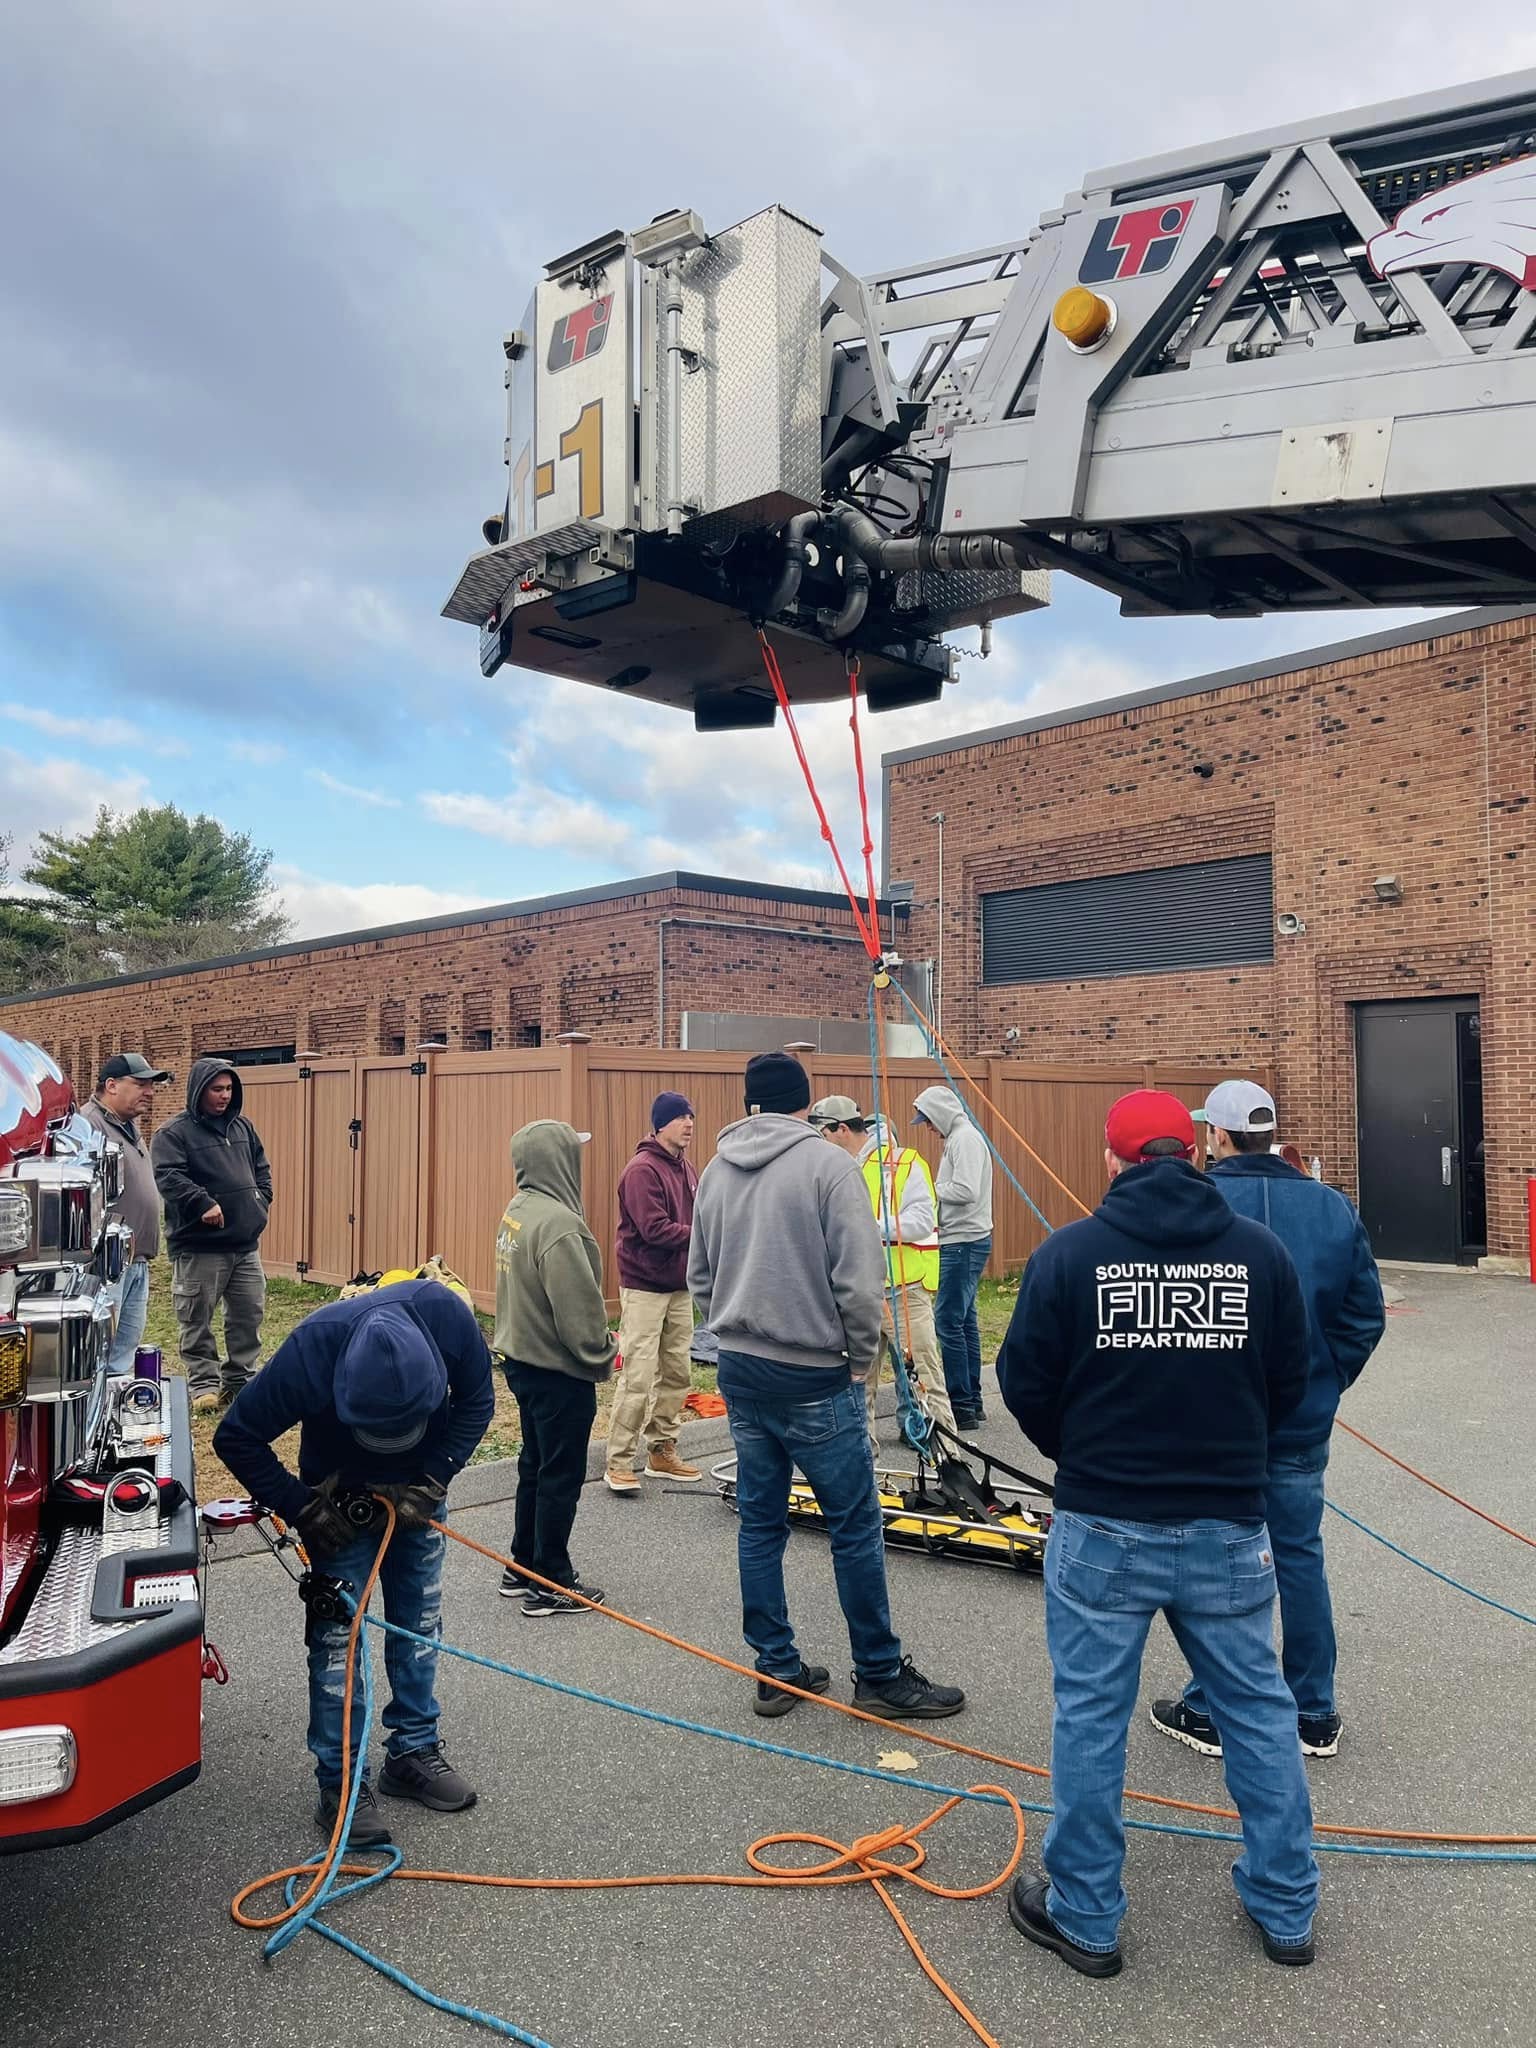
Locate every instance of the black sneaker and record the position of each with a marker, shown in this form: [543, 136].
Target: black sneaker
[967, 1418]
[1319, 1734]
[367, 1830]
[426, 1776]
[1195, 1731]
[771, 1703]
[908, 1696]
[1296, 1953]
[515, 1587]
[540, 1603]
[1026, 1909]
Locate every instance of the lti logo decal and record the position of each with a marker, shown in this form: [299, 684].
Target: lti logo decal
[1134, 244]
[578, 336]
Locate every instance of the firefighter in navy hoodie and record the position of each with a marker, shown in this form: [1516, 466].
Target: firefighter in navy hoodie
[1153, 1349]
[1331, 1248]
[391, 1392]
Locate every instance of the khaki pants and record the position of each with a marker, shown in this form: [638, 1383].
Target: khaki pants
[200, 1281]
[655, 1331]
[914, 1305]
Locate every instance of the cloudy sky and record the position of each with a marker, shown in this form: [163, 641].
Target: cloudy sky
[258, 262]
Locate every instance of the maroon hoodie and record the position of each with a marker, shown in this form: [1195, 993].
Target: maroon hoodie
[655, 1220]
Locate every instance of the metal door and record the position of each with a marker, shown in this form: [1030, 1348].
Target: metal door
[1409, 1128]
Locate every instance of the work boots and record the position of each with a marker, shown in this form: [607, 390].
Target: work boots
[664, 1463]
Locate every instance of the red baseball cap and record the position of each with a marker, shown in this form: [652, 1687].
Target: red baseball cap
[1143, 1116]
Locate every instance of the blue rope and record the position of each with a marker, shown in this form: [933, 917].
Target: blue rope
[331, 1892]
[292, 1929]
[937, 1055]
[1444, 1577]
[807, 1756]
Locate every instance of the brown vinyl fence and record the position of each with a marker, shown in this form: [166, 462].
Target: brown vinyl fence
[382, 1162]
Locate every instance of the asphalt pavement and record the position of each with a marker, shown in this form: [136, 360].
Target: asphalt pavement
[128, 1939]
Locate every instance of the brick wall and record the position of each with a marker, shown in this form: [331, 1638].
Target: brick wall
[1416, 761]
[591, 967]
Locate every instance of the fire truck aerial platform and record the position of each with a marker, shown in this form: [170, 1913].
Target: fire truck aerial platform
[1292, 371]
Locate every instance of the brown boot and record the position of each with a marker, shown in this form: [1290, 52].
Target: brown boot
[618, 1481]
[664, 1463]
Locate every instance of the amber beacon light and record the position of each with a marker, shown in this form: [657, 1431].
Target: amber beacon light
[1085, 320]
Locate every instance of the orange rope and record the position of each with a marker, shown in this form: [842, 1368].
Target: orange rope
[1434, 1484]
[910, 1731]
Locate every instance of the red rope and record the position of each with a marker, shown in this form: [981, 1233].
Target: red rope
[867, 929]
[858, 768]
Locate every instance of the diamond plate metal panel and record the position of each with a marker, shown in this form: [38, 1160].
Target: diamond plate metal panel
[970, 596]
[751, 409]
[486, 576]
[60, 1623]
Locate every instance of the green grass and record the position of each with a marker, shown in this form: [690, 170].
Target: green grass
[290, 1301]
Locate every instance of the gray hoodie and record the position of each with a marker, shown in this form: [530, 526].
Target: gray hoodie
[963, 1183]
[785, 1261]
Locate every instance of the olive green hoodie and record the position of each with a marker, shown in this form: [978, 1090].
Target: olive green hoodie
[549, 1271]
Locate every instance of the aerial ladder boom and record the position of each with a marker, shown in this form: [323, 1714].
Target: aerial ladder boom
[1294, 371]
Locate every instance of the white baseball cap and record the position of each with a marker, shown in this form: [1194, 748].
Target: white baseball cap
[1240, 1106]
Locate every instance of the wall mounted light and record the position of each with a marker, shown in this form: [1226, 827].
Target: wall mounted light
[1388, 889]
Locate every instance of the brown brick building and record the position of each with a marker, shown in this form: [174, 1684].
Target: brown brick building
[622, 963]
[1325, 867]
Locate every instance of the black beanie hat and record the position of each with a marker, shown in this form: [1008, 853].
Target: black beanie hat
[777, 1085]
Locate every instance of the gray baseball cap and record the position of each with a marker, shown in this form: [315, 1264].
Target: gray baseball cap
[130, 1066]
[1240, 1106]
[836, 1109]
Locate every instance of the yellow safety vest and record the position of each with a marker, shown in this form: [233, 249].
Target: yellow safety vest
[909, 1262]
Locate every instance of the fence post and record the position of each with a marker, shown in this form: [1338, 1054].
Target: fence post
[424, 1067]
[575, 1095]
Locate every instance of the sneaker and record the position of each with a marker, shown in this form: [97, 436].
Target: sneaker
[1026, 1909]
[540, 1602]
[1295, 1953]
[426, 1776]
[1194, 1730]
[208, 1404]
[1319, 1734]
[367, 1830]
[620, 1482]
[908, 1696]
[664, 1463]
[771, 1703]
[515, 1587]
[967, 1418]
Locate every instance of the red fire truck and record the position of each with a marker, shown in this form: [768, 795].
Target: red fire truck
[101, 1610]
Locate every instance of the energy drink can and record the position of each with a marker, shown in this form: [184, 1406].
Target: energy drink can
[146, 1363]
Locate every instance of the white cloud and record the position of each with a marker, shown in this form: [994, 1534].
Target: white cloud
[57, 795]
[100, 732]
[320, 908]
[353, 791]
[572, 825]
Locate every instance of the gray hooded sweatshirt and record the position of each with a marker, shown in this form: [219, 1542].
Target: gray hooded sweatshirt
[785, 1260]
[963, 1183]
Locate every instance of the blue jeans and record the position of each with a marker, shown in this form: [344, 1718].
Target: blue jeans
[1293, 1509]
[132, 1312]
[954, 1314]
[829, 1441]
[412, 1584]
[1215, 1582]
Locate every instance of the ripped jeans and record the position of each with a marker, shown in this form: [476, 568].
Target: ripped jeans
[412, 1585]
